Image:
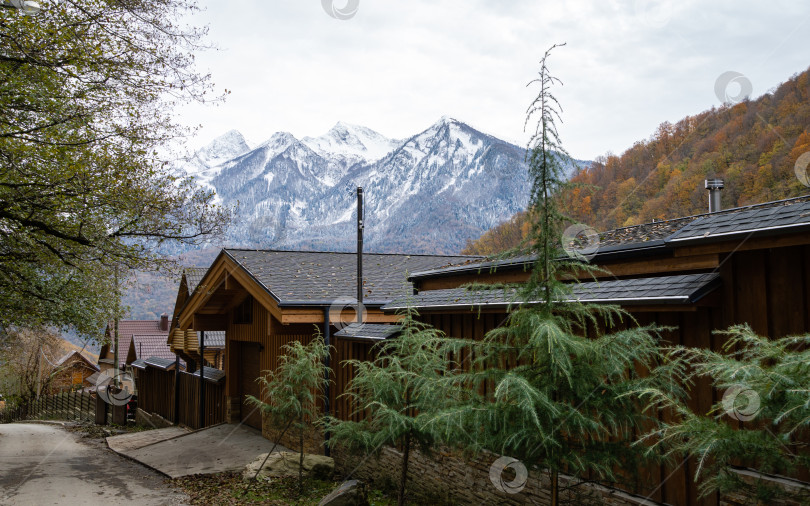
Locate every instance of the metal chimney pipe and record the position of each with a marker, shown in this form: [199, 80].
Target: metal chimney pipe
[359, 254]
[714, 186]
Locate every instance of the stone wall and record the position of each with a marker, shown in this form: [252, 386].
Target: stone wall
[444, 477]
[313, 436]
[789, 485]
[232, 409]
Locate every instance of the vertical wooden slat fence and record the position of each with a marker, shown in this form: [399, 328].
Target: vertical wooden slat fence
[155, 389]
[62, 406]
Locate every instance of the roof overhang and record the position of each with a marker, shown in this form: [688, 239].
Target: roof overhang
[227, 279]
[653, 291]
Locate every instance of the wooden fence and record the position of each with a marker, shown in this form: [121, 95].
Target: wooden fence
[156, 387]
[63, 406]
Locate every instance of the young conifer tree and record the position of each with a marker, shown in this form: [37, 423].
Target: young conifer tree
[549, 386]
[761, 420]
[294, 389]
[393, 393]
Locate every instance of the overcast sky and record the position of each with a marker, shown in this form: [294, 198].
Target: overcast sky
[397, 66]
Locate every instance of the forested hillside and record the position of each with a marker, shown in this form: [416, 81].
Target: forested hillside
[753, 145]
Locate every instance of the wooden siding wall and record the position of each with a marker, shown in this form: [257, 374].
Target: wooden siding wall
[345, 349]
[255, 332]
[769, 289]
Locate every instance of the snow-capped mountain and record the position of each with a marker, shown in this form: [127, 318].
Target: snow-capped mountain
[351, 144]
[205, 163]
[429, 193]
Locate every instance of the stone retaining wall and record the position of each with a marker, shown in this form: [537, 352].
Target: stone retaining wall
[445, 477]
[313, 436]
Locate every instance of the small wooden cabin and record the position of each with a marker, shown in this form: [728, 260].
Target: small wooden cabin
[127, 329]
[263, 299]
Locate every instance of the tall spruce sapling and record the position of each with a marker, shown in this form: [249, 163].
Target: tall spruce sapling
[294, 391]
[760, 420]
[549, 386]
[393, 393]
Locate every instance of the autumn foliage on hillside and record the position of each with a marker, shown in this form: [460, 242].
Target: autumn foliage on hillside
[752, 145]
[502, 238]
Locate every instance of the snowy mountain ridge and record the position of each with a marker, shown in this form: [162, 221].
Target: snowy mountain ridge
[429, 193]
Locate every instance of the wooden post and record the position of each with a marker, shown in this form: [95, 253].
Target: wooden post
[101, 410]
[202, 379]
[176, 417]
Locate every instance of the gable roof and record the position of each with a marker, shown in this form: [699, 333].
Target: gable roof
[193, 277]
[153, 345]
[296, 278]
[680, 289]
[126, 329]
[81, 356]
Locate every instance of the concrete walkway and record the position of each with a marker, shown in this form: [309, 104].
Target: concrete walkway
[223, 447]
[45, 464]
[127, 442]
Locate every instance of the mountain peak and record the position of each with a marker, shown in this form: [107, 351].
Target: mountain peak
[223, 148]
[351, 143]
[279, 139]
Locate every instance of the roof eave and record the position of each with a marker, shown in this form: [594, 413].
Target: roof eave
[757, 232]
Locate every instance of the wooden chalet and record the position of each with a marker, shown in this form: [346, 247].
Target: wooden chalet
[72, 372]
[262, 300]
[127, 329]
[699, 274]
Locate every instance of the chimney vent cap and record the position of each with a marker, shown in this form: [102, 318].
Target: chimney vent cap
[714, 184]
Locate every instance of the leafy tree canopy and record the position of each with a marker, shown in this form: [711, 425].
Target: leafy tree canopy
[87, 88]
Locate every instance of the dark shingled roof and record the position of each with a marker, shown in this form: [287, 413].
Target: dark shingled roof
[193, 277]
[138, 364]
[367, 331]
[770, 216]
[160, 363]
[318, 278]
[681, 289]
[790, 214]
[211, 374]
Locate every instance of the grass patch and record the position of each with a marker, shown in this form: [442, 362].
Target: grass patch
[229, 488]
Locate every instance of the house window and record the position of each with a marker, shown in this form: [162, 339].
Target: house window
[244, 311]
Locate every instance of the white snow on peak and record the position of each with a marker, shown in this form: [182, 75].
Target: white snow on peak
[279, 141]
[225, 147]
[352, 143]
[207, 162]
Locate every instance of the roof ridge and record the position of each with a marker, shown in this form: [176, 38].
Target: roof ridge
[771, 203]
[350, 253]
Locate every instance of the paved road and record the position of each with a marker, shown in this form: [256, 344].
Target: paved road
[45, 464]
